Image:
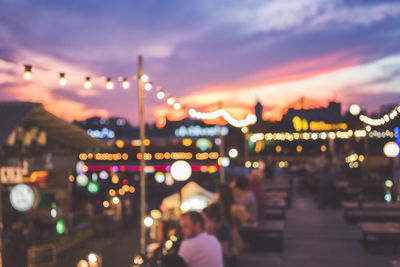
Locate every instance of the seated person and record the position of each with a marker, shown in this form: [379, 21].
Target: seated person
[198, 249]
[243, 195]
[257, 187]
[233, 214]
[215, 226]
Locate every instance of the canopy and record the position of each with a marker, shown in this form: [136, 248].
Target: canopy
[194, 197]
[14, 114]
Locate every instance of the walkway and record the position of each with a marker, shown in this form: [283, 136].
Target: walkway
[117, 251]
[315, 237]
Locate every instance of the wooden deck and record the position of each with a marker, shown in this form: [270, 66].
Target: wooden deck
[315, 238]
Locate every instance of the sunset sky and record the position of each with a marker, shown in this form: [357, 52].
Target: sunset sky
[202, 52]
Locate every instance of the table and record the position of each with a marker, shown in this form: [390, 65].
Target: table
[277, 187]
[387, 232]
[266, 235]
[275, 208]
[352, 210]
[373, 215]
[274, 195]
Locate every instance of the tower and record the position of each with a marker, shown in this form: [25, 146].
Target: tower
[258, 108]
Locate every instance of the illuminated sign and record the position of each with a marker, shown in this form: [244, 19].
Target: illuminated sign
[11, 175]
[197, 131]
[300, 124]
[322, 126]
[23, 197]
[103, 156]
[103, 133]
[37, 177]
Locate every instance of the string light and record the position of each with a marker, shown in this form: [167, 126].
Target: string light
[126, 84]
[160, 94]
[148, 86]
[144, 78]
[318, 135]
[88, 83]
[170, 101]
[63, 81]
[109, 84]
[250, 118]
[383, 120]
[177, 106]
[28, 72]
[355, 109]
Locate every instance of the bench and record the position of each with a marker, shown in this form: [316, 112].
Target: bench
[278, 187]
[275, 209]
[277, 195]
[381, 233]
[274, 214]
[351, 206]
[266, 236]
[372, 215]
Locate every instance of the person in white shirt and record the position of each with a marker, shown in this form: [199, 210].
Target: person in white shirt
[198, 248]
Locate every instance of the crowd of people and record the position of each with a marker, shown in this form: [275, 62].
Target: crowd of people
[212, 237]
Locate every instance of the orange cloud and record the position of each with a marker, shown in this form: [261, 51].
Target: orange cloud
[230, 95]
[43, 83]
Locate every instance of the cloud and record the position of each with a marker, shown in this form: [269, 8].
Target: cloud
[203, 51]
[320, 84]
[285, 15]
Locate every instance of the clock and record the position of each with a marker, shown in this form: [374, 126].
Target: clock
[23, 197]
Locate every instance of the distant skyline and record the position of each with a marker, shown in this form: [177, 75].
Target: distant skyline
[203, 52]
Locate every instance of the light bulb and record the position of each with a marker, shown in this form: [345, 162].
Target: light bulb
[126, 84]
[355, 109]
[63, 81]
[160, 95]
[144, 78]
[28, 72]
[148, 221]
[170, 101]
[177, 106]
[109, 84]
[148, 86]
[88, 83]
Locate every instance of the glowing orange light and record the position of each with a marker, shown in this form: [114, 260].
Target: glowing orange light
[111, 192]
[121, 191]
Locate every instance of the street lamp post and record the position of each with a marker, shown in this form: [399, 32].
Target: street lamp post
[246, 147]
[142, 162]
[391, 150]
[221, 152]
[221, 155]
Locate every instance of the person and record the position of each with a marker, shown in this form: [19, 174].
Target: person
[198, 249]
[244, 196]
[326, 182]
[214, 225]
[257, 188]
[233, 214]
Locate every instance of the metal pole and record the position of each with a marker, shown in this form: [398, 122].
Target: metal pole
[246, 148]
[1, 224]
[222, 155]
[366, 146]
[142, 162]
